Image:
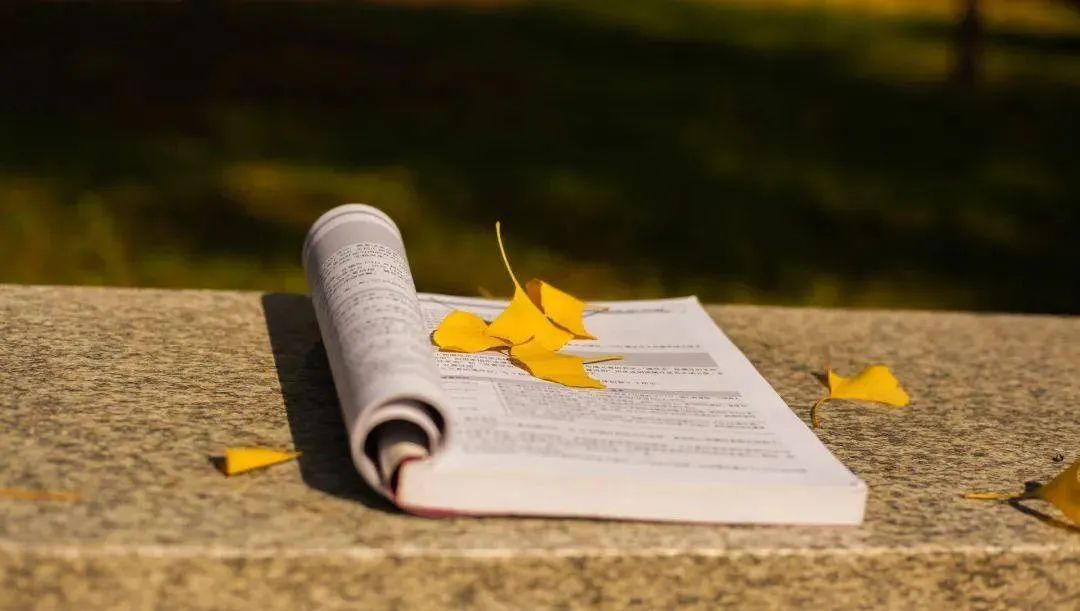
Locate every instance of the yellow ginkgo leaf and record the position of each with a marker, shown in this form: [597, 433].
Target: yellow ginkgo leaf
[565, 369]
[1064, 492]
[560, 307]
[875, 383]
[239, 460]
[522, 320]
[465, 332]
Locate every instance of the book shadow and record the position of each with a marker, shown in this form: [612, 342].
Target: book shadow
[311, 403]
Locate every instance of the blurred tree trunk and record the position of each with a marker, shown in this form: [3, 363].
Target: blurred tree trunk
[968, 43]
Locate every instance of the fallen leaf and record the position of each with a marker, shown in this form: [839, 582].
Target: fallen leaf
[240, 460]
[875, 383]
[465, 332]
[565, 369]
[1062, 492]
[25, 494]
[522, 320]
[534, 326]
[560, 307]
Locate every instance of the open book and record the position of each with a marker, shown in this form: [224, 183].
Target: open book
[686, 430]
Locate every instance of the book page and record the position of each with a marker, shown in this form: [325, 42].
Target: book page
[684, 405]
[376, 339]
[685, 426]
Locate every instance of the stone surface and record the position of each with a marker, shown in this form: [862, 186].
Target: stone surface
[121, 395]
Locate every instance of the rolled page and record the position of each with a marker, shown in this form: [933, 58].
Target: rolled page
[378, 347]
[398, 442]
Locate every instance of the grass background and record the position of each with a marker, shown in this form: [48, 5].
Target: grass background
[770, 151]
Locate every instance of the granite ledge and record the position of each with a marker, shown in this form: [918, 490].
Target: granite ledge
[120, 394]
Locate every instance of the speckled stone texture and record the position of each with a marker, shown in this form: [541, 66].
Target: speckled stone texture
[121, 395]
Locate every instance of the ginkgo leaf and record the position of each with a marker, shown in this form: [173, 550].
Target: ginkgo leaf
[465, 332]
[534, 326]
[240, 460]
[1062, 492]
[560, 307]
[875, 383]
[565, 369]
[522, 320]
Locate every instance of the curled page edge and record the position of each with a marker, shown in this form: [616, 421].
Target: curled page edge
[396, 443]
[378, 458]
[419, 402]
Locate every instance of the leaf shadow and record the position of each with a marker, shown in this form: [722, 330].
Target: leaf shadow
[217, 461]
[1041, 516]
[1045, 518]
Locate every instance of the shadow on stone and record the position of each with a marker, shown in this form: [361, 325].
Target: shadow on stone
[1045, 518]
[218, 463]
[310, 400]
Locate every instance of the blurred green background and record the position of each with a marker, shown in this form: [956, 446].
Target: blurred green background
[851, 153]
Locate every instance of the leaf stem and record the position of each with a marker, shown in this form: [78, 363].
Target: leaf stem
[502, 251]
[1001, 496]
[814, 421]
[23, 494]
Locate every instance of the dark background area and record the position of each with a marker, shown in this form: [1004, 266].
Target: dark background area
[840, 154]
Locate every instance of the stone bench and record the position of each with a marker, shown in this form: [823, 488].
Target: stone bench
[120, 395]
